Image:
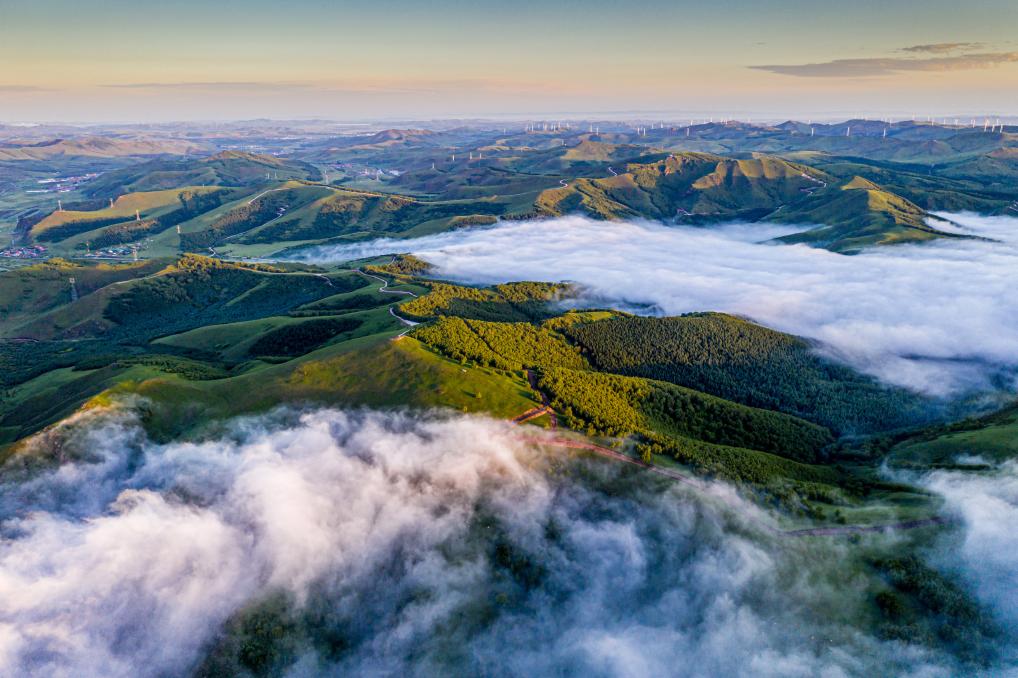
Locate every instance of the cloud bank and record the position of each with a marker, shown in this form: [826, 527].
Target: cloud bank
[987, 505]
[942, 47]
[873, 66]
[939, 318]
[404, 546]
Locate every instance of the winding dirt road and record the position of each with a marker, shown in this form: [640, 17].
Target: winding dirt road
[384, 289]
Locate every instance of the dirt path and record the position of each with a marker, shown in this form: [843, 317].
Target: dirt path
[545, 403]
[384, 289]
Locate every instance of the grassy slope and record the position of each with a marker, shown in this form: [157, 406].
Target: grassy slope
[27, 292]
[149, 203]
[697, 184]
[371, 371]
[993, 438]
[858, 214]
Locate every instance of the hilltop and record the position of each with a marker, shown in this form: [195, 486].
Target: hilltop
[861, 183]
[858, 214]
[97, 147]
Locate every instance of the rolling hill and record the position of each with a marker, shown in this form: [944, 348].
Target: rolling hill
[858, 214]
[97, 147]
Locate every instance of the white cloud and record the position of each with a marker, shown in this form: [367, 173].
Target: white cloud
[987, 551]
[434, 545]
[937, 317]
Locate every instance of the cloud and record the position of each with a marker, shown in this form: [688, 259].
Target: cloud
[428, 545]
[215, 85]
[942, 47]
[986, 552]
[938, 318]
[877, 66]
[14, 89]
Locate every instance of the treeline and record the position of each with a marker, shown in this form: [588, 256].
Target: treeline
[403, 264]
[689, 413]
[69, 229]
[346, 213]
[595, 403]
[512, 302]
[740, 361]
[738, 465]
[340, 305]
[300, 338]
[506, 346]
[125, 229]
[613, 405]
[204, 291]
[243, 218]
[124, 232]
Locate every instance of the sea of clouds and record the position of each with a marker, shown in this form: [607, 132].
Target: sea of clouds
[431, 544]
[939, 317]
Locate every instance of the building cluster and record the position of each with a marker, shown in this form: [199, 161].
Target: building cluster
[62, 184]
[26, 252]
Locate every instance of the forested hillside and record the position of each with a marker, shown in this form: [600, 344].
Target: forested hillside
[747, 363]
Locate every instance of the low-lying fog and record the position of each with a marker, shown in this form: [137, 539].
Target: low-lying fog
[940, 317]
[424, 545]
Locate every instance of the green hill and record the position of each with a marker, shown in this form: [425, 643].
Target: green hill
[145, 206]
[686, 186]
[858, 214]
[740, 361]
[228, 168]
[28, 292]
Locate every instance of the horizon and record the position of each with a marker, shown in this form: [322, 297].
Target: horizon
[680, 119]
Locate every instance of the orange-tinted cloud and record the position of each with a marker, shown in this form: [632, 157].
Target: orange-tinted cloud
[876, 66]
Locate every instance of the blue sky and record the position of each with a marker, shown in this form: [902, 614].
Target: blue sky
[391, 58]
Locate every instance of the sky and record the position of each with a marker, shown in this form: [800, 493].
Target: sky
[82, 60]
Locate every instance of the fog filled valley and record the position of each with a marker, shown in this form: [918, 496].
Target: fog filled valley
[372, 543]
[609, 398]
[940, 319]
